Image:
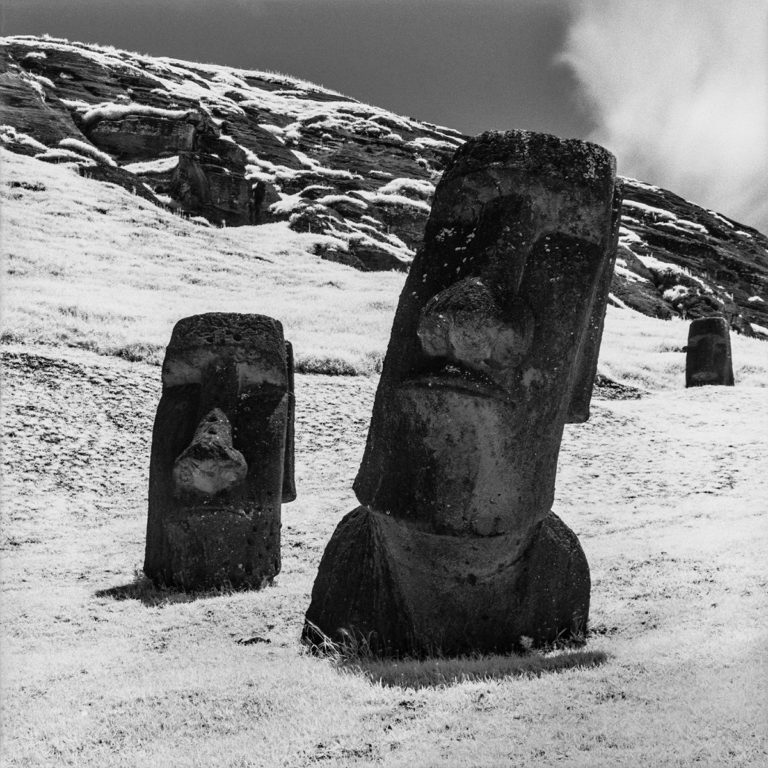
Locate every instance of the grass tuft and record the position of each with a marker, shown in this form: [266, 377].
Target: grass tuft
[330, 366]
[136, 352]
[355, 654]
[439, 672]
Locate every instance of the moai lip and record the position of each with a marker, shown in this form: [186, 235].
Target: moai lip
[708, 354]
[493, 349]
[222, 453]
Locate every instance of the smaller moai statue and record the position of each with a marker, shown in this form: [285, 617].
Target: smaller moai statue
[708, 354]
[222, 453]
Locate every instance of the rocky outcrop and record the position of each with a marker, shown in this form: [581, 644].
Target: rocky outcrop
[235, 147]
[676, 258]
[243, 147]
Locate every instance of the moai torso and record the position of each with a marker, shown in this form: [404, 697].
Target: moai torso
[708, 354]
[222, 453]
[493, 349]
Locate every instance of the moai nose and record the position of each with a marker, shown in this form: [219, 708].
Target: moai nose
[209, 464]
[464, 324]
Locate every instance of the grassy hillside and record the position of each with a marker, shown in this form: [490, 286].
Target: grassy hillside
[91, 266]
[100, 669]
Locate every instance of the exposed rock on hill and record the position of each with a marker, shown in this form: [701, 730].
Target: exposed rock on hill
[234, 147]
[243, 147]
[677, 258]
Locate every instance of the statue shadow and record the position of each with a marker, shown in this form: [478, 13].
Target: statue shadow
[438, 672]
[148, 593]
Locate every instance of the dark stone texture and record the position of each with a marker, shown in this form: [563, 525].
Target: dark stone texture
[209, 179]
[23, 107]
[136, 137]
[720, 262]
[209, 190]
[222, 453]
[578, 412]
[708, 354]
[493, 349]
[373, 584]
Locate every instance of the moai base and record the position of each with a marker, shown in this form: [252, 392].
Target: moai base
[493, 349]
[708, 355]
[222, 454]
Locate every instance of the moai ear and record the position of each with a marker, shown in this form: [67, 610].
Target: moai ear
[586, 369]
[289, 478]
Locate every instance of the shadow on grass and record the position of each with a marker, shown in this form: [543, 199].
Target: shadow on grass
[144, 590]
[436, 672]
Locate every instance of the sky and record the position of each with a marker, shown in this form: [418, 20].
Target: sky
[677, 89]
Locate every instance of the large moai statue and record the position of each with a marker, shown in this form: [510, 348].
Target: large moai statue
[222, 453]
[493, 349]
[708, 354]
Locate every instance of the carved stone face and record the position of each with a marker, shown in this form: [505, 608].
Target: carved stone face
[493, 349]
[487, 345]
[708, 358]
[222, 453]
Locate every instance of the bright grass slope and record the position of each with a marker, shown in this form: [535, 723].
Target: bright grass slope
[101, 670]
[88, 265]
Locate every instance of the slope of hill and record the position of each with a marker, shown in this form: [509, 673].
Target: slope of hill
[240, 147]
[665, 487]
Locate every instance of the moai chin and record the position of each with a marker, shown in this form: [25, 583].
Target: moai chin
[222, 453]
[708, 354]
[493, 349]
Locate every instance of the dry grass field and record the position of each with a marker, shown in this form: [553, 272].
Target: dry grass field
[667, 493]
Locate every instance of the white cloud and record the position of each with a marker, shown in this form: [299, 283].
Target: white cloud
[680, 93]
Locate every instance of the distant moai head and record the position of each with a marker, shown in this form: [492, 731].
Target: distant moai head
[222, 453]
[494, 345]
[708, 355]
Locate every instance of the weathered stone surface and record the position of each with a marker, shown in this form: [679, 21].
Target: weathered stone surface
[209, 177]
[210, 190]
[679, 259]
[408, 591]
[222, 453]
[586, 375]
[708, 355]
[495, 338]
[138, 137]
